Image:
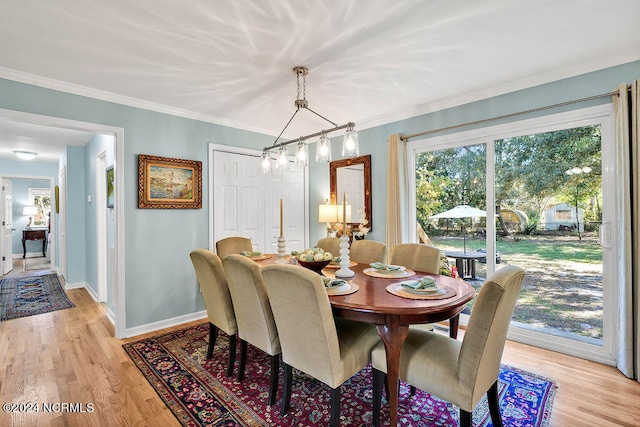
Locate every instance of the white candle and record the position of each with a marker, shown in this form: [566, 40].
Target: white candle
[344, 213]
[281, 234]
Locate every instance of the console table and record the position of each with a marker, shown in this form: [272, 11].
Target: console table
[34, 235]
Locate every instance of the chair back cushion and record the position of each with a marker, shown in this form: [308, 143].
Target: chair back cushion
[233, 245]
[215, 290]
[484, 339]
[368, 251]
[416, 256]
[303, 315]
[330, 244]
[251, 303]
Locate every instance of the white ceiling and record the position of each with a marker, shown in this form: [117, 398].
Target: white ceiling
[370, 61]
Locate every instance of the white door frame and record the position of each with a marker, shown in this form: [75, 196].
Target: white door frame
[119, 302]
[101, 225]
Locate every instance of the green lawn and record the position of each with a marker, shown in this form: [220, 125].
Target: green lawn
[562, 289]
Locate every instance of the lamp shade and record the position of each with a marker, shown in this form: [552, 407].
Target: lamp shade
[29, 210]
[328, 213]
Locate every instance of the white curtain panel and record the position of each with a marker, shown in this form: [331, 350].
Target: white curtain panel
[627, 120]
[397, 194]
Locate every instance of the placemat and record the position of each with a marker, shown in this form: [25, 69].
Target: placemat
[336, 266]
[398, 290]
[259, 258]
[389, 275]
[352, 288]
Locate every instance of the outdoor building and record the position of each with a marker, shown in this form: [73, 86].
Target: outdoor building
[563, 217]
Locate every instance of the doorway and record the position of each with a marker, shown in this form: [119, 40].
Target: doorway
[117, 315]
[542, 180]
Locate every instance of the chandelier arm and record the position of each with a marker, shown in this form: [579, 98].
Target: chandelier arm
[321, 116]
[311, 135]
[285, 127]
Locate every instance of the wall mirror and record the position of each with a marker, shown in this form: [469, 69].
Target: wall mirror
[352, 177]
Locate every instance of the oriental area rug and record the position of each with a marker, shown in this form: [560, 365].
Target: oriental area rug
[199, 394]
[28, 296]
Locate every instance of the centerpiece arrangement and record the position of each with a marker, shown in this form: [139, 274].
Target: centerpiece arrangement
[314, 259]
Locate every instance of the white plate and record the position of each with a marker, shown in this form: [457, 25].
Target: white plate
[435, 291]
[388, 271]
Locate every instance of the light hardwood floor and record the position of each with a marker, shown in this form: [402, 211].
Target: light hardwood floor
[71, 356]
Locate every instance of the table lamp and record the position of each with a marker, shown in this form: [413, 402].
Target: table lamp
[329, 214]
[30, 211]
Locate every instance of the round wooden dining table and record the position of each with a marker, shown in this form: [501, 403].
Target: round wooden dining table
[392, 314]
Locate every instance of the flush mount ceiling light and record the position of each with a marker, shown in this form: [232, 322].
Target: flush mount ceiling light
[25, 155]
[350, 147]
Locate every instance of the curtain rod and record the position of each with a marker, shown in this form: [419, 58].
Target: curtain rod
[506, 116]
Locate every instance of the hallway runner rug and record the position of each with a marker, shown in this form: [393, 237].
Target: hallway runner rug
[199, 394]
[31, 295]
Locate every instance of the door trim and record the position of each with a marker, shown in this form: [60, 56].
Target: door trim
[118, 133]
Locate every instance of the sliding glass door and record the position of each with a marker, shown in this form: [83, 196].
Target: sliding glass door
[534, 192]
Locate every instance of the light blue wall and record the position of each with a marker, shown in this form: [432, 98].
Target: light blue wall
[75, 216]
[160, 282]
[374, 141]
[95, 146]
[20, 199]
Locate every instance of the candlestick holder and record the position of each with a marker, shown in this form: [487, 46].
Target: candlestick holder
[344, 270]
[281, 253]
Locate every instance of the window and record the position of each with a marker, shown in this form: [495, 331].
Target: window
[40, 198]
[568, 302]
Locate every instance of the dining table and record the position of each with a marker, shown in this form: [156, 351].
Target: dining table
[379, 299]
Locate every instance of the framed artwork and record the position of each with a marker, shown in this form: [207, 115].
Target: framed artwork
[166, 183]
[110, 189]
[57, 194]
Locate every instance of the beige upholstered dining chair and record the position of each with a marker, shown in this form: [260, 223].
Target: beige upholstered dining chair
[367, 251]
[417, 256]
[253, 314]
[330, 350]
[233, 245]
[217, 301]
[460, 371]
[330, 244]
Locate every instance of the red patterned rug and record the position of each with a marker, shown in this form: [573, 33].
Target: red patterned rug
[199, 394]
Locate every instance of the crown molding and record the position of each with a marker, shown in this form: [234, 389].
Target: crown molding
[577, 69]
[88, 92]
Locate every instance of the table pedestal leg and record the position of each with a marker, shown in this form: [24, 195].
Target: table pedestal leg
[393, 335]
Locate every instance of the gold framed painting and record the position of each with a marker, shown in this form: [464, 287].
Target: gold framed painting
[167, 183]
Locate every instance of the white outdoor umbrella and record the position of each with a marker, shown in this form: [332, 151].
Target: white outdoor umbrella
[461, 211]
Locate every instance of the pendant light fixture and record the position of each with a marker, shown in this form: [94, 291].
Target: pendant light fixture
[350, 146]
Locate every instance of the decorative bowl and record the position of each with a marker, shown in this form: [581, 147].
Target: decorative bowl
[316, 266]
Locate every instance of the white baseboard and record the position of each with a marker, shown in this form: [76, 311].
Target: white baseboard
[111, 316]
[167, 323]
[77, 286]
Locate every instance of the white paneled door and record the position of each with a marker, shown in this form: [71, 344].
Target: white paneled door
[6, 210]
[247, 203]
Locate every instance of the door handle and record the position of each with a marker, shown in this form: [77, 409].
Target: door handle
[605, 234]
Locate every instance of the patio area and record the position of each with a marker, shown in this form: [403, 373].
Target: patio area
[562, 290]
